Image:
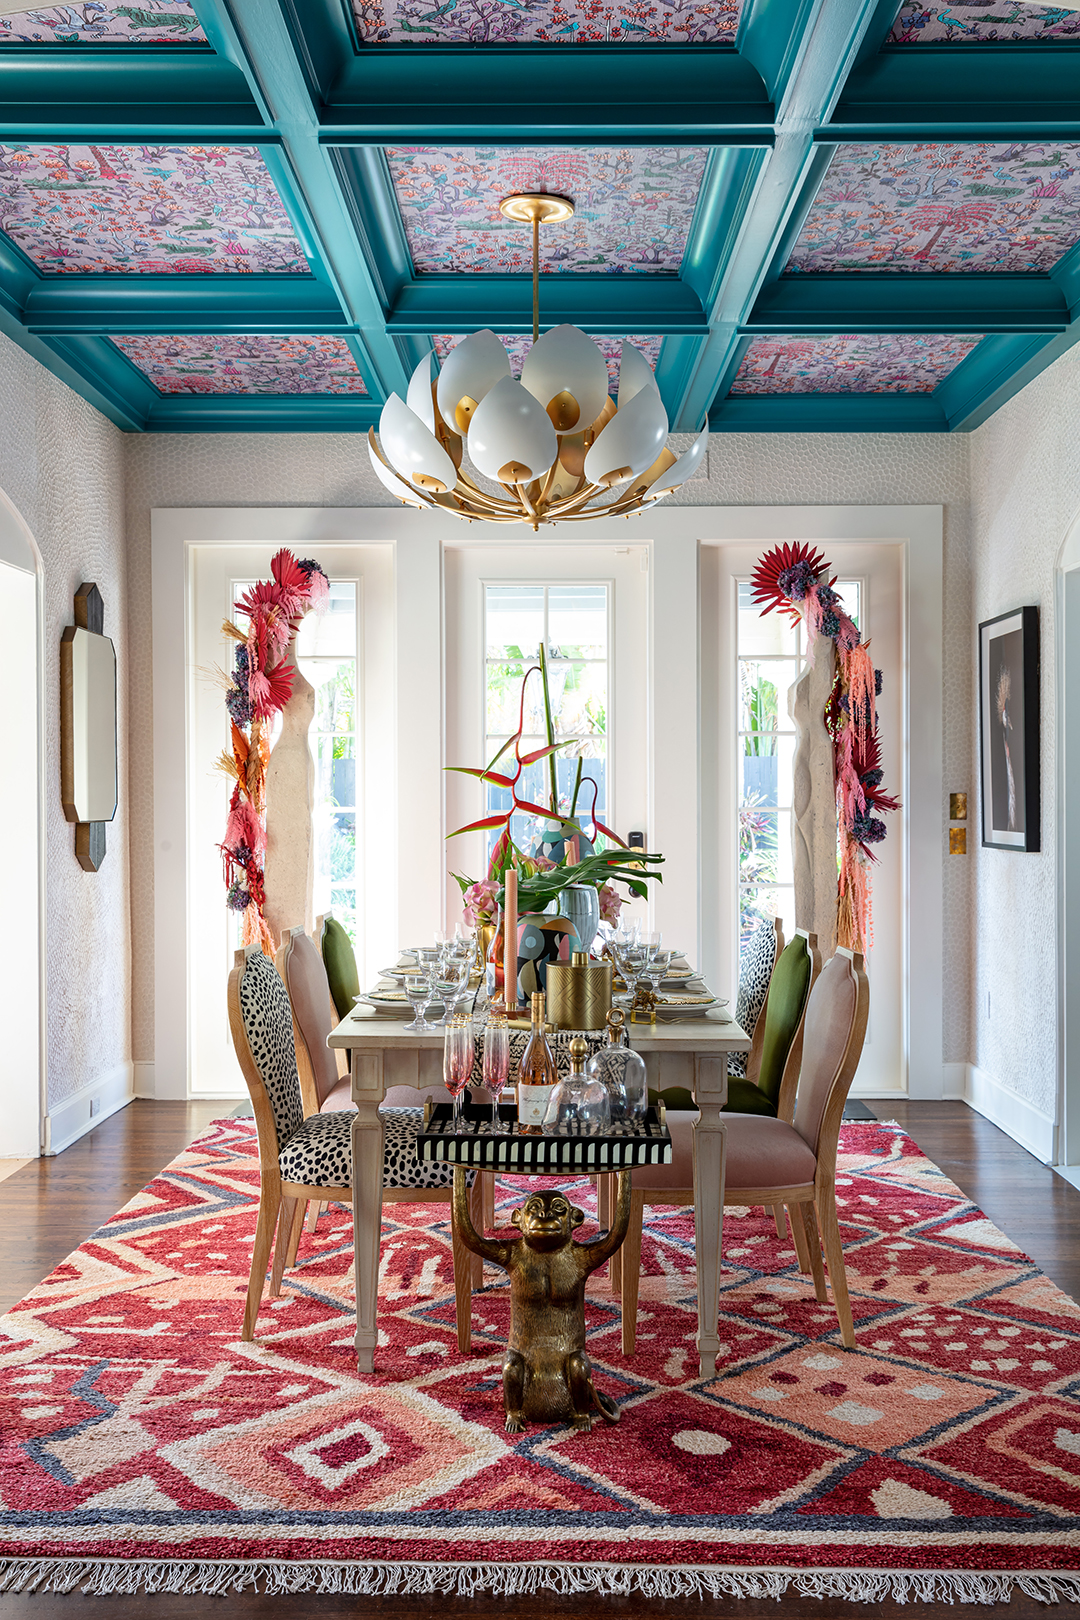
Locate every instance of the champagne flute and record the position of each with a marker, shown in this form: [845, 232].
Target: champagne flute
[496, 1062]
[457, 1064]
[417, 987]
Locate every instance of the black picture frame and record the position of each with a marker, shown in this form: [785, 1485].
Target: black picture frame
[1009, 730]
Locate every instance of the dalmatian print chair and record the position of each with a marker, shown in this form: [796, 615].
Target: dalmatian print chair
[303, 1159]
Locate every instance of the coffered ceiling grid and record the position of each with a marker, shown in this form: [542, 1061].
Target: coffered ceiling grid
[831, 214]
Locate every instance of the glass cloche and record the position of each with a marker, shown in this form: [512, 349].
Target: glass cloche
[578, 1106]
[621, 1071]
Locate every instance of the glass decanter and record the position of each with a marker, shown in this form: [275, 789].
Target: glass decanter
[621, 1071]
[578, 1106]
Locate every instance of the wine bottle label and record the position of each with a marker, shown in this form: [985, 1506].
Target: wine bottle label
[532, 1103]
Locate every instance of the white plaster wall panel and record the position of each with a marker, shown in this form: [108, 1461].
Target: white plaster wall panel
[62, 464]
[1025, 474]
[744, 469]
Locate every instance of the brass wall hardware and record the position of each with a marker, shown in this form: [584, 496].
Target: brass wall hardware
[957, 806]
[547, 1376]
[88, 770]
[957, 840]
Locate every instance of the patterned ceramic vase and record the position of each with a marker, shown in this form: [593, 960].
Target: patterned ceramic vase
[541, 939]
[553, 841]
[580, 904]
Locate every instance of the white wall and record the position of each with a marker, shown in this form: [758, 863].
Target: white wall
[1025, 473]
[61, 464]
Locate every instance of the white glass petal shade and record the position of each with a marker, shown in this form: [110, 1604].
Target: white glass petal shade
[419, 399]
[511, 437]
[413, 450]
[397, 486]
[685, 467]
[635, 373]
[631, 441]
[468, 374]
[566, 372]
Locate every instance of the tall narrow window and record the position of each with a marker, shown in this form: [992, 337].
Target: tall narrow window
[328, 656]
[572, 622]
[771, 654]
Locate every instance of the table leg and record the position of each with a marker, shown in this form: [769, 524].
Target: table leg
[367, 1153]
[710, 1143]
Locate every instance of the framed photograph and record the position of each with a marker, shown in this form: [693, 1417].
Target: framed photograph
[1009, 729]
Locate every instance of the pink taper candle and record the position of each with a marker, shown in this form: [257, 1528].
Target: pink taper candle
[510, 928]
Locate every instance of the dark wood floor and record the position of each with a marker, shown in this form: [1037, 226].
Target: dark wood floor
[50, 1206]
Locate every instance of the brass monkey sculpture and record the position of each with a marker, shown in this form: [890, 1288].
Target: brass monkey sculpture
[547, 1377]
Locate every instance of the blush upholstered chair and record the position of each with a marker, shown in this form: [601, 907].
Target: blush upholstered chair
[773, 1161]
[311, 1158]
[324, 1085]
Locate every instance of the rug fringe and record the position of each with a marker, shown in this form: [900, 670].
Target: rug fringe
[99, 1577]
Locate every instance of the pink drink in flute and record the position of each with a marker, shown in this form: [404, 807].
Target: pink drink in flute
[457, 1064]
[496, 1061]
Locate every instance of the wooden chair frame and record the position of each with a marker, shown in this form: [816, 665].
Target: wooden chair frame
[811, 1206]
[282, 1203]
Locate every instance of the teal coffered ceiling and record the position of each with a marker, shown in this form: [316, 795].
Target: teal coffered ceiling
[845, 215]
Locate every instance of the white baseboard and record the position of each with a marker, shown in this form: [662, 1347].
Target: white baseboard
[72, 1118]
[1034, 1130]
[144, 1079]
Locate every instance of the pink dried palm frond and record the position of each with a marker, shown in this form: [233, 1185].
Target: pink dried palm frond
[783, 576]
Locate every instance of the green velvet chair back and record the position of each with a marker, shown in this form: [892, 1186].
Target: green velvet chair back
[340, 964]
[789, 988]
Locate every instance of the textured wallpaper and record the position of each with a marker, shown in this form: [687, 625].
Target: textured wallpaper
[1026, 492]
[745, 469]
[62, 465]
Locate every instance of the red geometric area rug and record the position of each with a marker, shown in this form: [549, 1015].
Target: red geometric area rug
[145, 1448]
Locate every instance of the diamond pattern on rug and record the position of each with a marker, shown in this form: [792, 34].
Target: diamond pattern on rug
[135, 1424]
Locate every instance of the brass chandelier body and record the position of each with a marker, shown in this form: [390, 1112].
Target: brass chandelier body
[560, 448]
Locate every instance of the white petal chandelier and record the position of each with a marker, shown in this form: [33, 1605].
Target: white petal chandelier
[559, 446]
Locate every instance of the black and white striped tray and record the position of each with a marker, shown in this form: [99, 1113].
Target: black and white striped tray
[620, 1148]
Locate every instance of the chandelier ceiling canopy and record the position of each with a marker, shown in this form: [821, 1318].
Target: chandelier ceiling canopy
[560, 447]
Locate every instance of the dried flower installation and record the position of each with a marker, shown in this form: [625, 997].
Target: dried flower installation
[259, 687]
[795, 580]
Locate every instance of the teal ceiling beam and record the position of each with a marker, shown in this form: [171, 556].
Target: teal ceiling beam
[805, 78]
[918, 301]
[975, 391]
[260, 33]
[618, 304]
[50, 92]
[949, 92]
[113, 404]
[828, 413]
[173, 305]
[265, 413]
[517, 96]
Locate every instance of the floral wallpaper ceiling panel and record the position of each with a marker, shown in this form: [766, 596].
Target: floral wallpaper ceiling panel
[245, 365]
[155, 209]
[849, 365]
[982, 24]
[101, 22]
[517, 347]
[555, 22]
[995, 205]
[634, 206]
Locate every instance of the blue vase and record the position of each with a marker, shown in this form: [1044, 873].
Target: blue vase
[580, 904]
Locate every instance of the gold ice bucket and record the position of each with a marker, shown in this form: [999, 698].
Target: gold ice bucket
[578, 995]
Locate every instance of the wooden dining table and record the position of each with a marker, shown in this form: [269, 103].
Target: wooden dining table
[691, 1053]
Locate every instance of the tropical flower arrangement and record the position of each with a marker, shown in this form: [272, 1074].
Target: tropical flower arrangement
[540, 881]
[258, 687]
[795, 580]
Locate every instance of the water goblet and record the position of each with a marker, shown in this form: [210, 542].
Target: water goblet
[633, 960]
[417, 987]
[451, 978]
[457, 1064]
[656, 970]
[496, 1063]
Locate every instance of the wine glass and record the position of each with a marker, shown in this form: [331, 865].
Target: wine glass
[451, 977]
[417, 988]
[457, 1064]
[656, 970]
[633, 960]
[496, 1062]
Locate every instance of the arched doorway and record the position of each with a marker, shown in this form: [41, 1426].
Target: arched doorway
[22, 839]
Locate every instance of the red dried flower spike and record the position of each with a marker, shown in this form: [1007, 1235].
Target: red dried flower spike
[765, 580]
